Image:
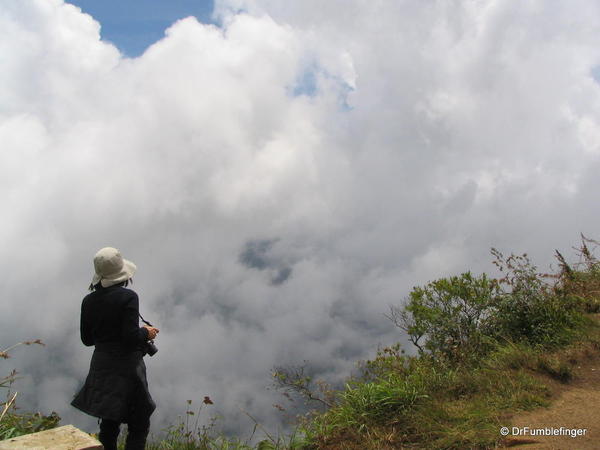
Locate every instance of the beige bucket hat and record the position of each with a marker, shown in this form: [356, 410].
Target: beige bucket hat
[111, 268]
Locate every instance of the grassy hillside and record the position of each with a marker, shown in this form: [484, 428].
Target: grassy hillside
[487, 348]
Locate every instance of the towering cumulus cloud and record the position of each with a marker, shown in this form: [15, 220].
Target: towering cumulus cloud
[281, 178]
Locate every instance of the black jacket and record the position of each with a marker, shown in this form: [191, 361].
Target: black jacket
[116, 387]
[111, 315]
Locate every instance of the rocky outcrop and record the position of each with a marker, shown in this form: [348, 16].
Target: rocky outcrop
[62, 438]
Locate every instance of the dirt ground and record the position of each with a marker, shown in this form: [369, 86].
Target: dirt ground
[577, 407]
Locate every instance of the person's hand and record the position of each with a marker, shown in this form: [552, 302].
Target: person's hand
[152, 332]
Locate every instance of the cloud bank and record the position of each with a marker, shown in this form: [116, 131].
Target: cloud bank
[281, 179]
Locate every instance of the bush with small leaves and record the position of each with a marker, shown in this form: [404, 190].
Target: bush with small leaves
[450, 317]
[529, 308]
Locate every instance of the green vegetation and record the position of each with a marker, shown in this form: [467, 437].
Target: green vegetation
[485, 348]
[12, 422]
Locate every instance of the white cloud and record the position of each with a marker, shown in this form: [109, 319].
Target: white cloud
[424, 133]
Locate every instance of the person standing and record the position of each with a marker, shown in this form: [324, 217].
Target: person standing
[116, 388]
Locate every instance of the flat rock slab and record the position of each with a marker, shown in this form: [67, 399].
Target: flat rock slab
[62, 438]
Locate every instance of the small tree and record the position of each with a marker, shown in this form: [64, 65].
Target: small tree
[450, 316]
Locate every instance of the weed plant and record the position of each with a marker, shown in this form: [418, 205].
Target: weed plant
[14, 423]
[189, 434]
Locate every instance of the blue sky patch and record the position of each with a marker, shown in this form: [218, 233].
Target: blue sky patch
[133, 25]
[306, 83]
[596, 73]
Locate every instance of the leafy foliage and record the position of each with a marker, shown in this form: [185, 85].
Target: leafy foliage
[530, 309]
[17, 424]
[451, 315]
[462, 317]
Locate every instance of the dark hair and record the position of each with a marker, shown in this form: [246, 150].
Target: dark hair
[95, 287]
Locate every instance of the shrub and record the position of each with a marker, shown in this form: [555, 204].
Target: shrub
[461, 318]
[530, 309]
[582, 279]
[451, 315]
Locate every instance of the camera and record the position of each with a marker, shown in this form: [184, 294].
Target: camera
[150, 349]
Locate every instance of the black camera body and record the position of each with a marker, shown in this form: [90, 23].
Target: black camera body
[150, 349]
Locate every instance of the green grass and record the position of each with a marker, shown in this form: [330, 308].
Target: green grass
[436, 409]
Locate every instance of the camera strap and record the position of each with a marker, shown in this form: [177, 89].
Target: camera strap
[147, 323]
